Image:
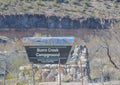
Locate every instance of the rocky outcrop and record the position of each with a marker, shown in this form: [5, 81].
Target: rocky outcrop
[28, 21]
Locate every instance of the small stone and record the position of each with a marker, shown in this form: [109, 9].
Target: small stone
[50, 77]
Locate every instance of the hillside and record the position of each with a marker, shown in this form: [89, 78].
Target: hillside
[72, 8]
[66, 14]
[94, 23]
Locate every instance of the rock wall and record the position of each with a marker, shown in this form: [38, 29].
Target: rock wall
[27, 21]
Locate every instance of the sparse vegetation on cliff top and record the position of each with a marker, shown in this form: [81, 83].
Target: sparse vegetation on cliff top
[72, 8]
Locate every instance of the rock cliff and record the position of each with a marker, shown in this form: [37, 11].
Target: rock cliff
[29, 21]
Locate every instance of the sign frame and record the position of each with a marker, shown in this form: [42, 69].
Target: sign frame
[55, 54]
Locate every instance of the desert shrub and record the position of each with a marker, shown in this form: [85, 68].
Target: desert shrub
[9, 76]
[21, 83]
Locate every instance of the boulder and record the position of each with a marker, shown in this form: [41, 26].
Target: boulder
[67, 78]
[50, 77]
[44, 76]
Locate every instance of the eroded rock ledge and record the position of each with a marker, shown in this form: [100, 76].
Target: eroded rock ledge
[27, 21]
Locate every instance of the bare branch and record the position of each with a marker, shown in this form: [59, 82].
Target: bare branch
[109, 56]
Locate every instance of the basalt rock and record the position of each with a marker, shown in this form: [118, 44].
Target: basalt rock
[28, 21]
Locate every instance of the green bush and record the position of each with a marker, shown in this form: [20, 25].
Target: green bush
[9, 76]
[21, 83]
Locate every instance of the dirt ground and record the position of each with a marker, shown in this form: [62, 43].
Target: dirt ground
[79, 83]
[66, 83]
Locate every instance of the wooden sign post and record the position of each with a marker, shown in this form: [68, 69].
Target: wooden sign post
[59, 73]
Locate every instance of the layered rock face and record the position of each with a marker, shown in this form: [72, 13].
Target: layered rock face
[28, 21]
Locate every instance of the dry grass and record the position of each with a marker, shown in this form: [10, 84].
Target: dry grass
[72, 8]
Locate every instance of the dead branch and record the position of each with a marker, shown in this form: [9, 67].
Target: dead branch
[109, 56]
